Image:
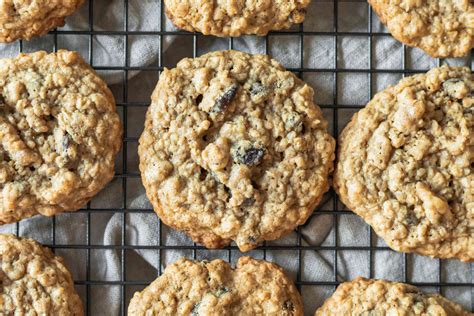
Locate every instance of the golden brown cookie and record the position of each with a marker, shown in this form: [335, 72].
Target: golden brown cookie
[379, 297]
[24, 19]
[59, 134]
[234, 149]
[33, 281]
[406, 164]
[254, 287]
[235, 18]
[442, 28]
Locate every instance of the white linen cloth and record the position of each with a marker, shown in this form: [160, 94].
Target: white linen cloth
[142, 227]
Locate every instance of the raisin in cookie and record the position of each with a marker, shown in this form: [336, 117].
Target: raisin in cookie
[379, 297]
[254, 287]
[59, 133]
[234, 149]
[442, 28]
[33, 281]
[406, 164]
[24, 19]
[235, 18]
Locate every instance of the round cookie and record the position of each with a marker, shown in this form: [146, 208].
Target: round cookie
[234, 149]
[254, 287]
[59, 134]
[34, 281]
[379, 297]
[24, 19]
[441, 28]
[406, 164]
[235, 18]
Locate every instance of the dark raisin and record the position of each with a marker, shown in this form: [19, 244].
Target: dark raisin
[303, 129]
[257, 88]
[225, 99]
[199, 99]
[412, 219]
[255, 185]
[288, 306]
[248, 202]
[246, 153]
[251, 239]
[253, 156]
[66, 142]
[228, 191]
[202, 174]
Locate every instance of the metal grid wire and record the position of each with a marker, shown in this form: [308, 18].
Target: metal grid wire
[123, 175]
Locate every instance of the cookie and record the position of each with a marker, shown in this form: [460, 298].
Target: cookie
[406, 164]
[254, 287]
[441, 28]
[235, 18]
[234, 149]
[59, 134]
[33, 281]
[379, 297]
[25, 19]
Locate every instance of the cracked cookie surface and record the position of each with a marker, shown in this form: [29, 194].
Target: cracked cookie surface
[406, 164]
[234, 149]
[59, 134]
[254, 287]
[236, 17]
[379, 297]
[442, 28]
[33, 281]
[24, 19]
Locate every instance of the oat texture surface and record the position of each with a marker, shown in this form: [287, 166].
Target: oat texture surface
[234, 149]
[59, 133]
[442, 28]
[24, 19]
[406, 164]
[33, 281]
[379, 297]
[187, 287]
[236, 17]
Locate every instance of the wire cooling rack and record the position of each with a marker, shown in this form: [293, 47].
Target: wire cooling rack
[127, 177]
